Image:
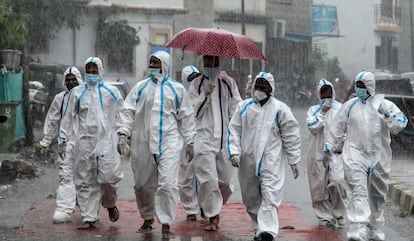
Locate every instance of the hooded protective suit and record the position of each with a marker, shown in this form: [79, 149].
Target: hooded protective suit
[187, 183]
[326, 202]
[96, 163]
[263, 136]
[66, 193]
[212, 115]
[367, 156]
[158, 116]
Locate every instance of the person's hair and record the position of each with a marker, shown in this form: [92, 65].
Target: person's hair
[91, 64]
[325, 88]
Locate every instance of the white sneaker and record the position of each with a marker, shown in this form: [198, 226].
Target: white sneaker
[61, 217]
[341, 221]
[324, 223]
[376, 234]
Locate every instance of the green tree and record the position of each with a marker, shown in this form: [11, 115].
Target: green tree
[13, 26]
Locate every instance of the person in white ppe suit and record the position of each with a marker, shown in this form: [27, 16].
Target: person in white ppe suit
[187, 183]
[262, 133]
[97, 167]
[66, 193]
[327, 202]
[215, 96]
[367, 120]
[157, 116]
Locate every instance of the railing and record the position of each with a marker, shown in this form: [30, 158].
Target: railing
[387, 18]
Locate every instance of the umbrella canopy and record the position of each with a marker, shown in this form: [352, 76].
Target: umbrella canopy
[216, 42]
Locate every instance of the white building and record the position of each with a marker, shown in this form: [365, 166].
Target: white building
[368, 35]
[153, 21]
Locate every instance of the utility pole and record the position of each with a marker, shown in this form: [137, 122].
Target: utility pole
[411, 34]
[243, 27]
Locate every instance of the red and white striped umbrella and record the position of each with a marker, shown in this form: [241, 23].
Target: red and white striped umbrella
[216, 42]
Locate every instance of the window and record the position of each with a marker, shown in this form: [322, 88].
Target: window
[159, 36]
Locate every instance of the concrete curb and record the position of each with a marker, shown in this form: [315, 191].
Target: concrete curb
[401, 195]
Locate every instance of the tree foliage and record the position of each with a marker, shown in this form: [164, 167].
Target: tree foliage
[13, 26]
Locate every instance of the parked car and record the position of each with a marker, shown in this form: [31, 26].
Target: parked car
[122, 86]
[410, 76]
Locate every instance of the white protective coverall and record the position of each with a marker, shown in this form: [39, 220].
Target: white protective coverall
[263, 136]
[212, 115]
[326, 202]
[158, 116]
[187, 183]
[96, 163]
[367, 156]
[66, 193]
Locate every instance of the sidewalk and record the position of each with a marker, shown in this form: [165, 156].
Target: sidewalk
[401, 184]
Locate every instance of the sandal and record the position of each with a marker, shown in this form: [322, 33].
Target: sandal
[113, 214]
[147, 226]
[87, 225]
[212, 223]
[166, 234]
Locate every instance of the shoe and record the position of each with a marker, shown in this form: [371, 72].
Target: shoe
[355, 237]
[61, 217]
[341, 221]
[264, 236]
[212, 223]
[87, 225]
[113, 214]
[376, 234]
[166, 234]
[324, 223]
[147, 226]
[191, 217]
[202, 214]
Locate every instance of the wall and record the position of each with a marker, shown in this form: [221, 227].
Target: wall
[405, 43]
[355, 48]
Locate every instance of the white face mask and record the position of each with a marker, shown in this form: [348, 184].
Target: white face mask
[259, 95]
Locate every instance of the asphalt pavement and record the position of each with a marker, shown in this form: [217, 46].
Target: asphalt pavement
[29, 216]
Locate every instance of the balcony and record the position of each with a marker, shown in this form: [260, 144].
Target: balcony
[387, 18]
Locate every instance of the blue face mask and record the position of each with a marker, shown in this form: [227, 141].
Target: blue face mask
[92, 79]
[329, 100]
[361, 93]
[212, 73]
[152, 72]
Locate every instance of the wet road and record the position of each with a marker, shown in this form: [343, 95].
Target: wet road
[26, 213]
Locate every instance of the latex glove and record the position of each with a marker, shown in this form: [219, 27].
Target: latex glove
[326, 159]
[189, 151]
[235, 160]
[209, 88]
[295, 171]
[325, 107]
[383, 111]
[123, 146]
[62, 150]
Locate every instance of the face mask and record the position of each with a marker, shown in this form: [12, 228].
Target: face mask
[92, 79]
[71, 85]
[153, 72]
[259, 95]
[212, 73]
[361, 93]
[329, 100]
